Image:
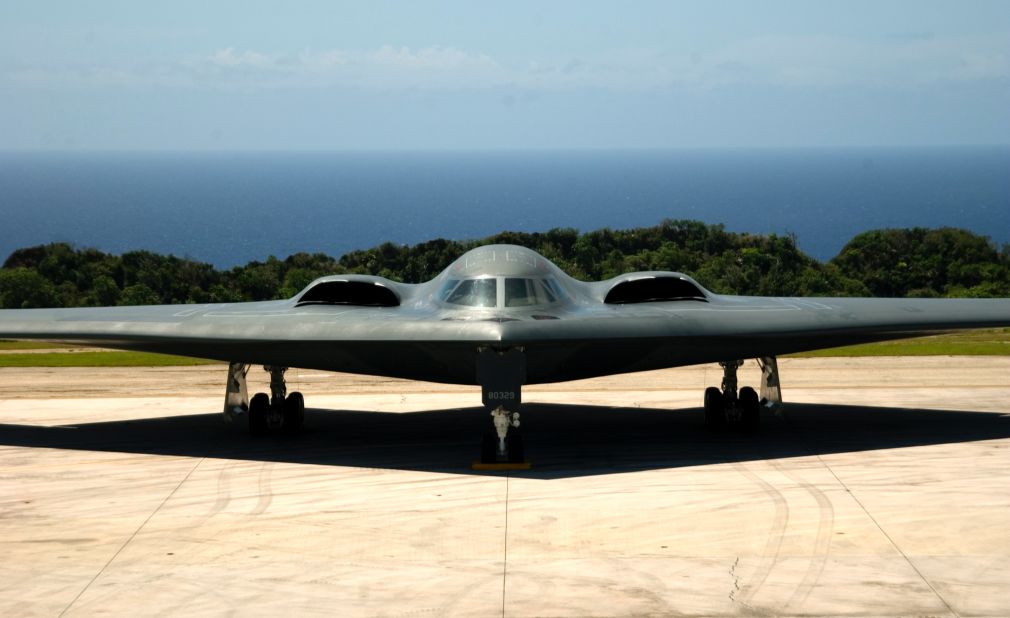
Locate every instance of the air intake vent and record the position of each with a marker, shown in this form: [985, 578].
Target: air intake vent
[652, 290]
[361, 293]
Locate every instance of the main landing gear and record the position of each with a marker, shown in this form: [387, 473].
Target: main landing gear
[279, 411]
[728, 407]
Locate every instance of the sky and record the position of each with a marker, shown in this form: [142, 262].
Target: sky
[376, 75]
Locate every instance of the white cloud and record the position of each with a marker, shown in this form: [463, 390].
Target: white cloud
[429, 58]
[227, 57]
[787, 61]
[385, 67]
[813, 61]
[831, 61]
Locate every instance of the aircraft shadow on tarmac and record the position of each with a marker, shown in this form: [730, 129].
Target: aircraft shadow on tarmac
[561, 440]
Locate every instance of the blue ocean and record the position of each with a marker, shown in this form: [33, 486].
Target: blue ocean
[230, 208]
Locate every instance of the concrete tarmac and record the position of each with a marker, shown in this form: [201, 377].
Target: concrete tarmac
[883, 489]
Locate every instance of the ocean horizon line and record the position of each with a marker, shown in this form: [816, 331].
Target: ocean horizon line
[492, 150]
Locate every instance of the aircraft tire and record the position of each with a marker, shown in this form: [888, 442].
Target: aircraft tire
[294, 412]
[489, 448]
[517, 452]
[258, 407]
[715, 414]
[751, 409]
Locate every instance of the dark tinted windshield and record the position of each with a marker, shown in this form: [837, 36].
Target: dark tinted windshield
[527, 292]
[474, 293]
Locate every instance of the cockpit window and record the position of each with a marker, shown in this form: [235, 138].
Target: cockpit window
[447, 289]
[516, 291]
[527, 293]
[554, 287]
[474, 293]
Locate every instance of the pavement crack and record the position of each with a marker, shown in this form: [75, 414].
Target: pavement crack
[132, 536]
[736, 579]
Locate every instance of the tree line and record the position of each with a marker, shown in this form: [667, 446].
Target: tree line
[920, 262]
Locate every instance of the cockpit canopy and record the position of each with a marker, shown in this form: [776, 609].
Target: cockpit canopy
[501, 276]
[490, 292]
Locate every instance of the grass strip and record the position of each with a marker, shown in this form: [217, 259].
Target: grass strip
[989, 342]
[100, 359]
[34, 345]
[933, 348]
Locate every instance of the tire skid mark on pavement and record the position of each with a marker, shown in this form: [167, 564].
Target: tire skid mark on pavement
[822, 539]
[654, 593]
[223, 497]
[266, 493]
[487, 587]
[775, 536]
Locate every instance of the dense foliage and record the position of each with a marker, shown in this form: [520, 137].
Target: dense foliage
[927, 262]
[900, 262]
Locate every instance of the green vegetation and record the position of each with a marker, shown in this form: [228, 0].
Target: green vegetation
[902, 262]
[36, 354]
[98, 359]
[32, 345]
[926, 263]
[970, 343]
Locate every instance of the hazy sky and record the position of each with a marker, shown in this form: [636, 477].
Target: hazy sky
[413, 75]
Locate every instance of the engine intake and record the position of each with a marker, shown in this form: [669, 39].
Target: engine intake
[346, 292]
[653, 289]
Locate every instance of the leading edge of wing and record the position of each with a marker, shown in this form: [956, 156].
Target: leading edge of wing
[763, 326]
[804, 321]
[268, 321]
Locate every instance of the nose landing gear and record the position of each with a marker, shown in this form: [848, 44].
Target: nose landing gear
[501, 374]
[503, 446]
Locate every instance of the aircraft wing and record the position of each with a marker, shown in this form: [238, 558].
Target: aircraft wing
[645, 336]
[582, 340]
[330, 337]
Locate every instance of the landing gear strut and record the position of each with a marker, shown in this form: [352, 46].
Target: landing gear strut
[729, 407]
[501, 374]
[278, 411]
[503, 445]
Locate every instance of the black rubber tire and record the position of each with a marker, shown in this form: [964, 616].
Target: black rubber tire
[514, 443]
[294, 412]
[751, 408]
[715, 413]
[489, 449]
[258, 408]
